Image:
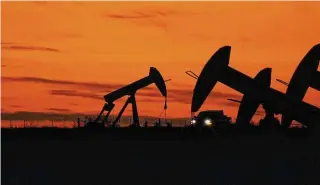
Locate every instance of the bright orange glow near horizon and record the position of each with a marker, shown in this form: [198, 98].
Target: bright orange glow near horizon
[55, 54]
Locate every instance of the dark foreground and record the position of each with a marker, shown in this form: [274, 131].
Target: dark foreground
[155, 156]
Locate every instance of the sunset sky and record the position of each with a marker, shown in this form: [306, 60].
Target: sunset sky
[64, 56]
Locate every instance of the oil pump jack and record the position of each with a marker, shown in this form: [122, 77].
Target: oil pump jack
[247, 105]
[217, 69]
[130, 90]
[305, 76]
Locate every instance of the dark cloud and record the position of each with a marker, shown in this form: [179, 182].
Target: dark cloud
[230, 104]
[144, 97]
[25, 115]
[150, 15]
[59, 110]
[160, 24]
[149, 93]
[76, 94]
[187, 93]
[129, 16]
[180, 85]
[150, 100]
[11, 46]
[176, 95]
[94, 87]
[30, 48]
[147, 13]
[259, 111]
[87, 85]
[185, 96]
[5, 43]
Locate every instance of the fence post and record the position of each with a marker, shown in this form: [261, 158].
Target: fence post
[78, 122]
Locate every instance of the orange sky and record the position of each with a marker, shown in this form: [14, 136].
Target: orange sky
[69, 48]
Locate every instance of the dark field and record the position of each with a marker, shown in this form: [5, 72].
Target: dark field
[158, 156]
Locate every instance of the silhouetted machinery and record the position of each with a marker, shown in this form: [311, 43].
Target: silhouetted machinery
[130, 90]
[249, 103]
[263, 77]
[256, 91]
[306, 75]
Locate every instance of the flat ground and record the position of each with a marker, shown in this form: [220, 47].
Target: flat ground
[175, 156]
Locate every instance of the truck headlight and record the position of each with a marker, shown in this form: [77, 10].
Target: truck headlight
[208, 122]
[193, 122]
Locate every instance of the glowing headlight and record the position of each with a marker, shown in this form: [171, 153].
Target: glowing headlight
[208, 122]
[193, 121]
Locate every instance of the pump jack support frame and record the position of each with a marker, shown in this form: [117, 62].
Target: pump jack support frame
[135, 115]
[109, 107]
[106, 107]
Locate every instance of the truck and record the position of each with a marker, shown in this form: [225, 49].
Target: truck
[211, 119]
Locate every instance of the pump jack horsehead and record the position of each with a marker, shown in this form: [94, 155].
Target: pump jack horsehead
[255, 90]
[130, 90]
[305, 76]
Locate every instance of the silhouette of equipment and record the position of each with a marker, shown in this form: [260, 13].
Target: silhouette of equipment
[130, 90]
[217, 69]
[192, 74]
[248, 104]
[305, 76]
[283, 82]
[269, 116]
